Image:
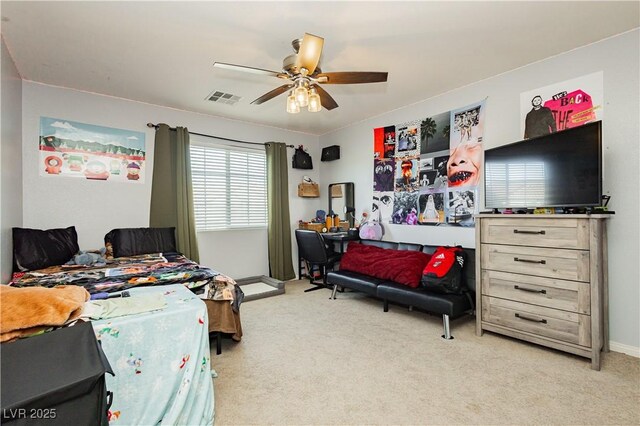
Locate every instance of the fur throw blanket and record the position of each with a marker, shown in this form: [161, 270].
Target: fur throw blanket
[29, 310]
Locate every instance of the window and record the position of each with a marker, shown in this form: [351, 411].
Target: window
[229, 187]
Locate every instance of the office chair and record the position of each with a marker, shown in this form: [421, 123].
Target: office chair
[312, 248]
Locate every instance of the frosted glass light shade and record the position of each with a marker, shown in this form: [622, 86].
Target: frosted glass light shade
[292, 105]
[314, 101]
[302, 96]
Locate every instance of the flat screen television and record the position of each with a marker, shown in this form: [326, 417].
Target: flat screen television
[562, 169]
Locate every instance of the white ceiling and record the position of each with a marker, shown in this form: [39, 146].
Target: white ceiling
[162, 52]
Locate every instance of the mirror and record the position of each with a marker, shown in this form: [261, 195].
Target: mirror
[342, 201]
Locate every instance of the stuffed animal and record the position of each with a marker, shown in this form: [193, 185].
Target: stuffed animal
[89, 258]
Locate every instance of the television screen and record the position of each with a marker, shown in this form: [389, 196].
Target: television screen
[562, 169]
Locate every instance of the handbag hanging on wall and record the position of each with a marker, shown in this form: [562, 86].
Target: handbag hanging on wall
[301, 159]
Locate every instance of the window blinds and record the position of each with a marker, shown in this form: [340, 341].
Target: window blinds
[229, 187]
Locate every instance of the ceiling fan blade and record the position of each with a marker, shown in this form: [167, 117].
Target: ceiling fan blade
[272, 94]
[249, 69]
[352, 77]
[325, 99]
[309, 52]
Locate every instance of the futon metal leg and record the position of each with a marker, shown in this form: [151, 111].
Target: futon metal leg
[333, 293]
[385, 307]
[447, 332]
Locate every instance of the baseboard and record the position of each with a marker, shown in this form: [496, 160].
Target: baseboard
[633, 351]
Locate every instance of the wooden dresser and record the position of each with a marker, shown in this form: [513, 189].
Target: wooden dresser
[543, 279]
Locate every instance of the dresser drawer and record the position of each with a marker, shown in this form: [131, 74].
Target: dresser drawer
[552, 323]
[570, 296]
[552, 263]
[567, 233]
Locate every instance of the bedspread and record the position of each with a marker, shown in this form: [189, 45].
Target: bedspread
[161, 362]
[122, 273]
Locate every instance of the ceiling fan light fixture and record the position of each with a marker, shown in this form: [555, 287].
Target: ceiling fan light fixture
[314, 101]
[292, 105]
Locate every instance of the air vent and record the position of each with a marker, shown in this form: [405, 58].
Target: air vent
[223, 98]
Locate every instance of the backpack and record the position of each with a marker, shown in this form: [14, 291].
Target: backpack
[443, 273]
[301, 159]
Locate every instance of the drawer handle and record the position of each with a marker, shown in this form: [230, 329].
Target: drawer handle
[542, 321]
[517, 259]
[530, 290]
[517, 231]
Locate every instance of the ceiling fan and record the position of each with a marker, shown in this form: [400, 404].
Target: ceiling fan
[304, 77]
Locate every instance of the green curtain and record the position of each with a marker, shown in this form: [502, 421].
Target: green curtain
[171, 191]
[279, 223]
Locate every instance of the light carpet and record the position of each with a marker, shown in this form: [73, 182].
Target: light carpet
[305, 359]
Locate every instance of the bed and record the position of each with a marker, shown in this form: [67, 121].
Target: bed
[122, 273]
[160, 358]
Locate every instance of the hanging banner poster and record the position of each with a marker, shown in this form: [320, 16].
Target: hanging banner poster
[72, 149]
[562, 105]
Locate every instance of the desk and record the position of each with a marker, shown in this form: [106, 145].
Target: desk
[161, 361]
[339, 237]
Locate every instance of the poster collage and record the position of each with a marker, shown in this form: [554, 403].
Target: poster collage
[427, 172]
[71, 149]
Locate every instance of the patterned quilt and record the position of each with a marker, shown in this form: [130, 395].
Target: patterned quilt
[122, 273]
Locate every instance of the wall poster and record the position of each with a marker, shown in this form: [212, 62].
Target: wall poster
[72, 149]
[562, 105]
[426, 172]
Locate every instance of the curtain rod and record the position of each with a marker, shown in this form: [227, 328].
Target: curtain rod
[155, 126]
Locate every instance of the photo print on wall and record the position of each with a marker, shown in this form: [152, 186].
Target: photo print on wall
[405, 208]
[407, 174]
[407, 139]
[382, 207]
[432, 211]
[562, 105]
[434, 133]
[383, 174]
[72, 149]
[461, 207]
[389, 141]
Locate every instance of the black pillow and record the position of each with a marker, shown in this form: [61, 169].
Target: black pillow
[36, 249]
[136, 241]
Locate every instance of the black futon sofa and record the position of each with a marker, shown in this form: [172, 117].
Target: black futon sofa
[450, 306]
